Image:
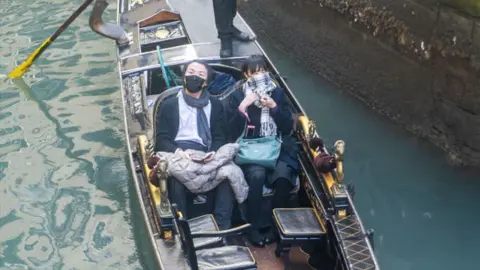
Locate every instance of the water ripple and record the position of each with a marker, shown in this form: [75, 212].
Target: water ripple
[65, 198]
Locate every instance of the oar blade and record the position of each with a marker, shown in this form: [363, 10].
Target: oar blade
[23, 67]
[22, 85]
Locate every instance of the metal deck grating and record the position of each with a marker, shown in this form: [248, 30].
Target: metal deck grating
[355, 243]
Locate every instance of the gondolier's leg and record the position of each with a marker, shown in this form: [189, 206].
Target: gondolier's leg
[224, 201]
[237, 34]
[225, 11]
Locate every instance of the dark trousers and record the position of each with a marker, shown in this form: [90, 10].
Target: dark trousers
[222, 196]
[256, 177]
[225, 11]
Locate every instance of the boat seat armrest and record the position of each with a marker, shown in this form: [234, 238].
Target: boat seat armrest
[221, 233]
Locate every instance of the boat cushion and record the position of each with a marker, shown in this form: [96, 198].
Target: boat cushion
[221, 83]
[228, 257]
[293, 222]
[205, 223]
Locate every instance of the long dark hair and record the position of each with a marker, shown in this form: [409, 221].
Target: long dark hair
[254, 63]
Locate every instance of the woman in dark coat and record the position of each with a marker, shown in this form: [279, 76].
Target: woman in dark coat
[263, 104]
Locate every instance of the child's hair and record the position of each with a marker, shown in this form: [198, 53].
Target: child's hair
[253, 64]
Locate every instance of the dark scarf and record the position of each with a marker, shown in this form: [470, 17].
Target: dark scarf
[202, 121]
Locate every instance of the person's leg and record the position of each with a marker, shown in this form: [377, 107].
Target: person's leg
[223, 209]
[255, 176]
[177, 193]
[237, 34]
[233, 12]
[282, 180]
[283, 187]
[222, 10]
[225, 11]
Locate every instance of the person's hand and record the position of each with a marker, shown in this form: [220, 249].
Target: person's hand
[208, 157]
[249, 99]
[268, 102]
[183, 154]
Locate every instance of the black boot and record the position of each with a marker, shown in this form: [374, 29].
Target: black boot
[255, 238]
[271, 236]
[226, 47]
[242, 36]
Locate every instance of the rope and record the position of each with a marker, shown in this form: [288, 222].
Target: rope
[164, 69]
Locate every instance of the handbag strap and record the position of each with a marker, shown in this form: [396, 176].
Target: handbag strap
[245, 129]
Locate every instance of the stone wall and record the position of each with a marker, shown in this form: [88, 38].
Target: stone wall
[415, 61]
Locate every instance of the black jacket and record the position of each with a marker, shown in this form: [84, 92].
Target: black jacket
[281, 115]
[168, 120]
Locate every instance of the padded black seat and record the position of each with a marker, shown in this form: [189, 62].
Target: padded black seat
[228, 257]
[297, 222]
[296, 226]
[204, 223]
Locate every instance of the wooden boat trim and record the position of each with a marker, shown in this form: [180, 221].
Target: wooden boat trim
[157, 18]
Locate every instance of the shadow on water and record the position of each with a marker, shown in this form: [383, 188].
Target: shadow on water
[419, 206]
[44, 108]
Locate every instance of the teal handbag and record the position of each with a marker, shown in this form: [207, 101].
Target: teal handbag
[263, 151]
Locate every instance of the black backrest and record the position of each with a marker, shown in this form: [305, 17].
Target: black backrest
[233, 71]
[185, 237]
[169, 93]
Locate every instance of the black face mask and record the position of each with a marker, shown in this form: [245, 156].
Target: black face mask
[194, 83]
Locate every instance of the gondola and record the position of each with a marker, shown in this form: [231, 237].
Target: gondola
[154, 39]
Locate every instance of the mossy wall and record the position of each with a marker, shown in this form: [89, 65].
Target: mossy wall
[471, 7]
[417, 62]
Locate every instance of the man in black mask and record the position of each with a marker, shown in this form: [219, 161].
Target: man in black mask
[225, 11]
[194, 120]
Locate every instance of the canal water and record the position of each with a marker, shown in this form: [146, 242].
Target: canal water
[421, 208]
[66, 195]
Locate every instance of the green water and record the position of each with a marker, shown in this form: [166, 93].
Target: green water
[66, 198]
[64, 187]
[423, 211]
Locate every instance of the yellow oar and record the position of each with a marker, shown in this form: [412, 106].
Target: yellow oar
[22, 85]
[23, 67]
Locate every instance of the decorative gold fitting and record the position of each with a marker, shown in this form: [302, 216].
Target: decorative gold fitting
[312, 128]
[162, 176]
[338, 155]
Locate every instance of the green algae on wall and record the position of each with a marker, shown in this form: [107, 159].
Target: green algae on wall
[471, 7]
